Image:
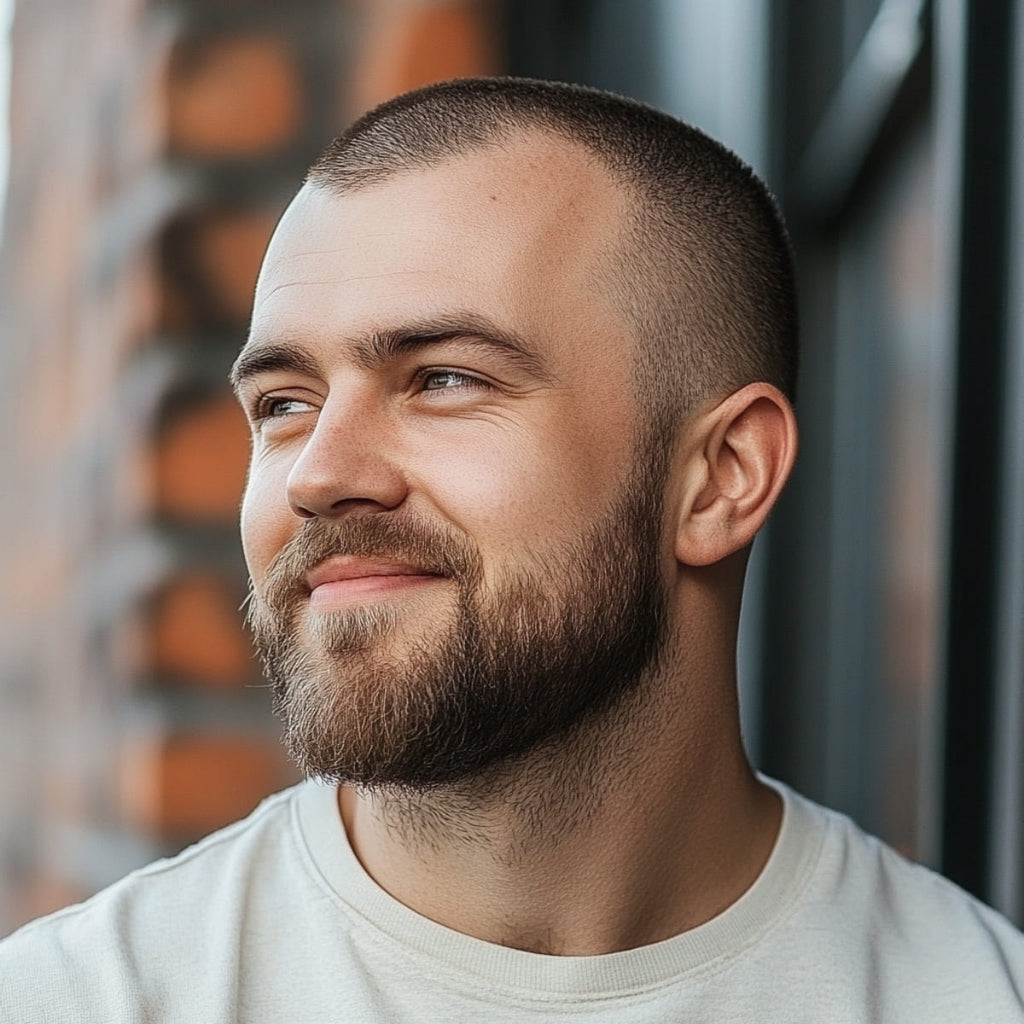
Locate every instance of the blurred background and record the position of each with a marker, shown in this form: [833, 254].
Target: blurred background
[153, 143]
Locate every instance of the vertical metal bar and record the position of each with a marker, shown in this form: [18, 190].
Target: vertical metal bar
[977, 456]
[1008, 803]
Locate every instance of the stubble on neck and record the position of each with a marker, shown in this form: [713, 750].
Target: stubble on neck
[526, 808]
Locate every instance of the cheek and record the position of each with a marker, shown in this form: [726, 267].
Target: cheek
[507, 494]
[266, 521]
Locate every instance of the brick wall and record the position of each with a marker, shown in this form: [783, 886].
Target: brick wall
[153, 147]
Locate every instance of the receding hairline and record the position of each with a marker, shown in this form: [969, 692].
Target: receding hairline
[501, 106]
[626, 198]
[703, 244]
[496, 140]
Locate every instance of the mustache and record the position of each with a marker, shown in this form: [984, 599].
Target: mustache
[431, 546]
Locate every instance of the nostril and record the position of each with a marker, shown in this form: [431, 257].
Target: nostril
[303, 513]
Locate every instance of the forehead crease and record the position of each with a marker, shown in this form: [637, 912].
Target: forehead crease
[331, 282]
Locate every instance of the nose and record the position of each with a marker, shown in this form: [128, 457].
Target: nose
[346, 464]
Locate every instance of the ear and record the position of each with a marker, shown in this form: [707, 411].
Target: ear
[738, 457]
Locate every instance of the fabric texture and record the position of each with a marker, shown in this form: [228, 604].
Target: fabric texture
[274, 919]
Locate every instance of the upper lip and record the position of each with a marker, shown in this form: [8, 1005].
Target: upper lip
[351, 567]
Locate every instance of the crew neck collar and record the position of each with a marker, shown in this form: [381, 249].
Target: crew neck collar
[742, 925]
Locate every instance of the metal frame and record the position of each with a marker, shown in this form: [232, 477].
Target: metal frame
[976, 498]
[886, 66]
[1007, 821]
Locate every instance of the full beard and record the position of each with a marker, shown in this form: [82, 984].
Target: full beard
[556, 642]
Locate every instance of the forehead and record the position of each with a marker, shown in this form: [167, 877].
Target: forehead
[520, 233]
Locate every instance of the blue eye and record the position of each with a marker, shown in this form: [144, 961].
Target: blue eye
[446, 380]
[274, 408]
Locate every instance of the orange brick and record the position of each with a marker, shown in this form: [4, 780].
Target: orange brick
[201, 461]
[196, 633]
[228, 252]
[174, 313]
[233, 96]
[406, 45]
[187, 785]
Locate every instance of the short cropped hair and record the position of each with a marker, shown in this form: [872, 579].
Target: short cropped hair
[704, 273]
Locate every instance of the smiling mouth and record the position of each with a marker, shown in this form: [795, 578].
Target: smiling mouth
[348, 579]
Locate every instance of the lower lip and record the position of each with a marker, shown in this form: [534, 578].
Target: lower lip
[363, 588]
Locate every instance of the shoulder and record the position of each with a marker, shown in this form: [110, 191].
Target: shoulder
[896, 928]
[88, 956]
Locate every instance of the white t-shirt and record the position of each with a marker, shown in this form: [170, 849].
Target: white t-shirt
[273, 919]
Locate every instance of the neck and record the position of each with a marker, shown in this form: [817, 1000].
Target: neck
[643, 824]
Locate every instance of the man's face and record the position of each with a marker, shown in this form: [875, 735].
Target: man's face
[452, 534]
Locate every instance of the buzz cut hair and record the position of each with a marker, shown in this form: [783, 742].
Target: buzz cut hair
[703, 271]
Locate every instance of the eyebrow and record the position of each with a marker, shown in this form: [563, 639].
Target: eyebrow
[265, 358]
[381, 346]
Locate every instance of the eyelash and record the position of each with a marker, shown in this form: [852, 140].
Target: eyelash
[467, 380]
[265, 404]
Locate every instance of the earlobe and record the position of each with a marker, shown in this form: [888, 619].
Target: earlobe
[741, 453]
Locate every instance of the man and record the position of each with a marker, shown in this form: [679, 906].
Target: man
[518, 380]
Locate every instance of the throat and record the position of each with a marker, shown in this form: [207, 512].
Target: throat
[641, 827]
[524, 810]
[526, 835]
